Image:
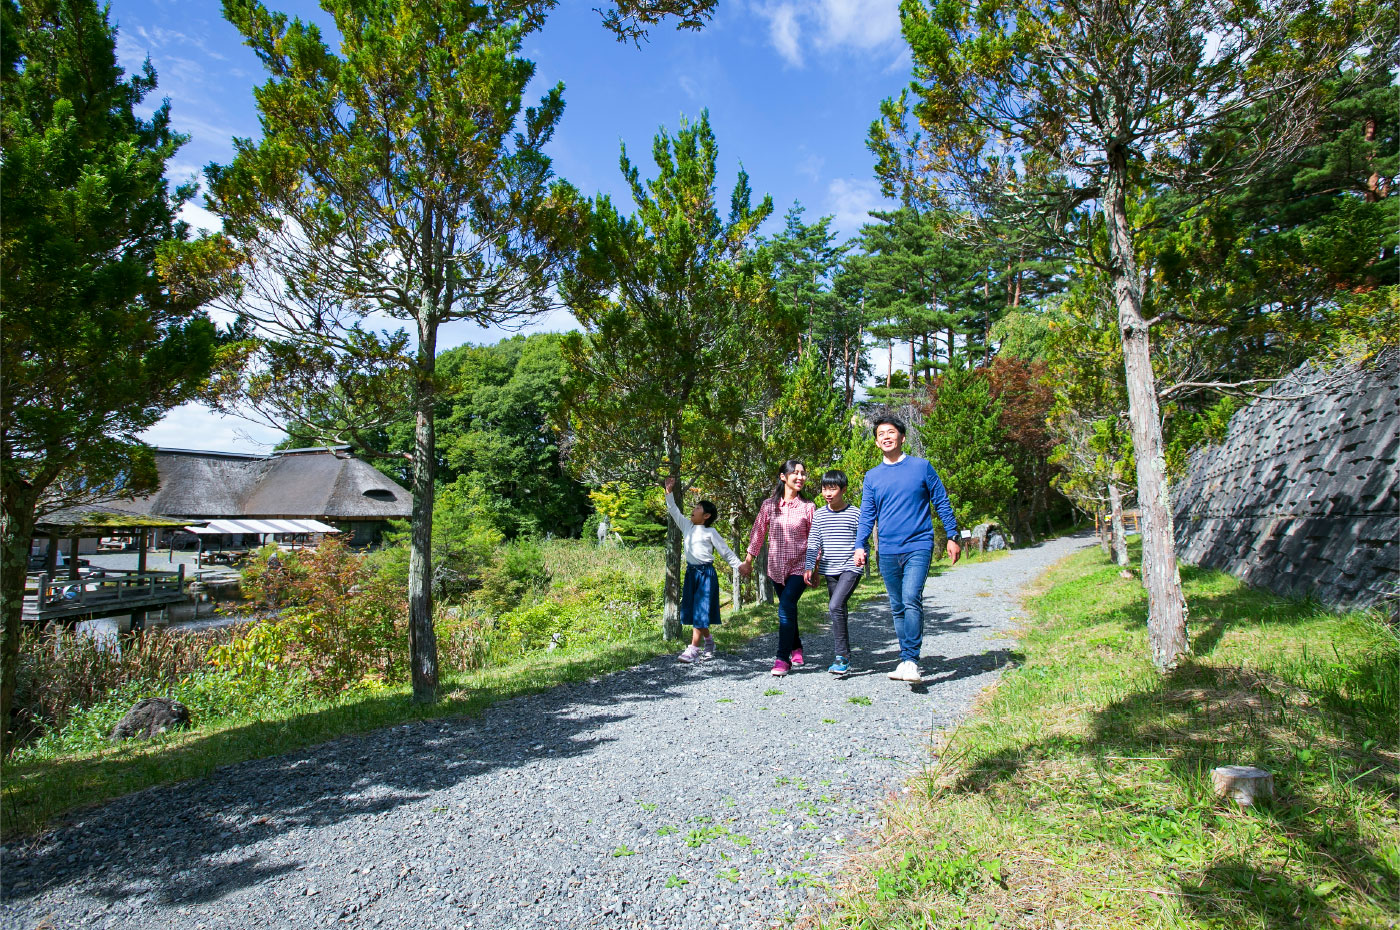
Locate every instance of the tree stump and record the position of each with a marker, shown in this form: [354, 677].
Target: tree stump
[1244, 783]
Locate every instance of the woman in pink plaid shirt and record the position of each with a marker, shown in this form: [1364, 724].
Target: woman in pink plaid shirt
[786, 518]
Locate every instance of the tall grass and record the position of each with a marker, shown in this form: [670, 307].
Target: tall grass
[1080, 794]
[61, 672]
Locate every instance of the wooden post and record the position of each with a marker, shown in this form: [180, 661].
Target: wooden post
[51, 557]
[140, 553]
[73, 558]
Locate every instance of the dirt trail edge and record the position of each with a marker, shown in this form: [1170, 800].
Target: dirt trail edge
[668, 796]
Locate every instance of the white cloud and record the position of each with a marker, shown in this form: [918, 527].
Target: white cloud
[810, 166]
[850, 200]
[195, 426]
[867, 26]
[863, 24]
[200, 218]
[784, 32]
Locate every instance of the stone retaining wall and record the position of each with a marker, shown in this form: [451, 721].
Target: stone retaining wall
[1303, 496]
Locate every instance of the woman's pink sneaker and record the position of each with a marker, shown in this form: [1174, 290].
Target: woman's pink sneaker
[797, 658]
[780, 668]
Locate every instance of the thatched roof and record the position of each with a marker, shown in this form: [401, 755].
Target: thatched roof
[102, 519]
[318, 484]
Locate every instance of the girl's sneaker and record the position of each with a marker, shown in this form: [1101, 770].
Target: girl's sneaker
[780, 668]
[840, 668]
[707, 649]
[797, 658]
[689, 654]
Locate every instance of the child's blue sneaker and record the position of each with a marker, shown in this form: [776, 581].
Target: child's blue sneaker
[840, 668]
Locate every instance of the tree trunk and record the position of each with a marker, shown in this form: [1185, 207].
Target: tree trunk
[913, 362]
[889, 366]
[671, 610]
[1166, 604]
[18, 528]
[422, 639]
[846, 369]
[1120, 541]
[764, 585]
[736, 579]
[1105, 530]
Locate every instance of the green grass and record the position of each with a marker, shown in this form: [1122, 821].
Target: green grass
[1079, 795]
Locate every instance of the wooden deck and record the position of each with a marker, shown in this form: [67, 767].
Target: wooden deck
[107, 593]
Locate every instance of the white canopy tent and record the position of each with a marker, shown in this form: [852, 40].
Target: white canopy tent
[262, 527]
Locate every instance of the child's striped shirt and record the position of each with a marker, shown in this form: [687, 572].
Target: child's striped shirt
[833, 538]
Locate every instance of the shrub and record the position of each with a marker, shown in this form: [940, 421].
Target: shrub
[464, 548]
[273, 579]
[461, 637]
[597, 608]
[518, 578]
[348, 623]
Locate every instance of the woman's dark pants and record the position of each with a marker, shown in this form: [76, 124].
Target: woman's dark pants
[788, 593]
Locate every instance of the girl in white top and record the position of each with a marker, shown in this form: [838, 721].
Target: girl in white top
[700, 593]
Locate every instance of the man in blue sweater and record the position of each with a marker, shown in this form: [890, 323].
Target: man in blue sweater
[896, 495]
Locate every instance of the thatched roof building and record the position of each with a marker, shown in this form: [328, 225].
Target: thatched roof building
[329, 485]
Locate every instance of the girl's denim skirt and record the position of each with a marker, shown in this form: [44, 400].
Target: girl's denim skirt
[700, 596]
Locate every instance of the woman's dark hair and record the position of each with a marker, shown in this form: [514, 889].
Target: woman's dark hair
[790, 466]
[892, 420]
[836, 478]
[711, 512]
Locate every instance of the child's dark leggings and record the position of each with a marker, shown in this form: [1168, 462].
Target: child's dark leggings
[838, 591]
[788, 593]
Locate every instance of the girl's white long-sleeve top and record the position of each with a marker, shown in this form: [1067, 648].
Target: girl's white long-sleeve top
[701, 542]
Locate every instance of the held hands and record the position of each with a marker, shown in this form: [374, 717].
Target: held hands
[858, 557]
[746, 567]
[807, 577]
[954, 550]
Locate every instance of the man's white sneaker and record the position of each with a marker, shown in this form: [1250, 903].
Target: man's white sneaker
[906, 671]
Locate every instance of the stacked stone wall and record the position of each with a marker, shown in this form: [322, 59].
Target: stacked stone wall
[1303, 496]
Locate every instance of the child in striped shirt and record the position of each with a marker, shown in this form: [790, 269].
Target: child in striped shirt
[700, 592]
[830, 547]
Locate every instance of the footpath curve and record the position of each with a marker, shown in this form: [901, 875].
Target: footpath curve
[661, 796]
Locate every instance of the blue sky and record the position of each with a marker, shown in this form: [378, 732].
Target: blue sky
[791, 88]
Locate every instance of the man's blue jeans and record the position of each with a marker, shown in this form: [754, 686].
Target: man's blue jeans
[904, 576]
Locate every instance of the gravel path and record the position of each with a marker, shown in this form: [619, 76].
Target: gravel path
[663, 796]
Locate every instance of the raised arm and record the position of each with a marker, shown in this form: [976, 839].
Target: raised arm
[679, 518]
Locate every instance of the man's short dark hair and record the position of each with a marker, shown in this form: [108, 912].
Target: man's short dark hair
[836, 478]
[892, 420]
[711, 512]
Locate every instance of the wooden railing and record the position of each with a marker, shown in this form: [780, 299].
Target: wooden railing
[107, 592]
